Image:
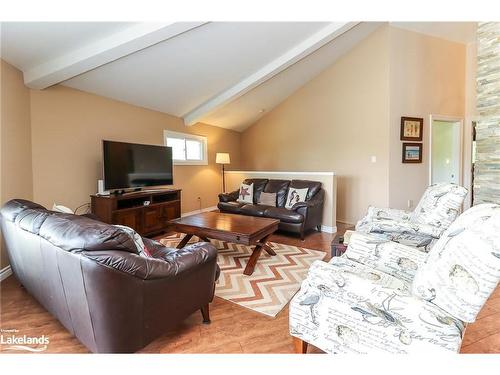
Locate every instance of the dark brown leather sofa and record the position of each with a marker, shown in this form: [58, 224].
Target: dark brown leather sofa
[302, 217]
[89, 276]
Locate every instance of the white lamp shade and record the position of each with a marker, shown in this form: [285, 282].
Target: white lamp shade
[222, 158]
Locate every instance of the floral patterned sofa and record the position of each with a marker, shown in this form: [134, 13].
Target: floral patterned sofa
[437, 209]
[407, 301]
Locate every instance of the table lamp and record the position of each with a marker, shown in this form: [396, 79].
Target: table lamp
[223, 158]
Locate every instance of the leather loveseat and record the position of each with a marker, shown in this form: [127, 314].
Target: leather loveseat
[301, 217]
[89, 275]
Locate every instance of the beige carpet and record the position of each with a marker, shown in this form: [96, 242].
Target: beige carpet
[274, 282]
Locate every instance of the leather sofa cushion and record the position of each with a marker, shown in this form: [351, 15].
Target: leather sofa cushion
[69, 232]
[15, 206]
[258, 186]
[31, 219]
[267, 199]
[284, 215]
[313, 186]
[279, 187]
[254, 209]
[166, 263]
[77, 233]
[232, 207]
[158, 251]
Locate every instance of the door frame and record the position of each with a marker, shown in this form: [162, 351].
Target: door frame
[460, 120]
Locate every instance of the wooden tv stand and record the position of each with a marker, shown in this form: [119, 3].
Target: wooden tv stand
[129, 209]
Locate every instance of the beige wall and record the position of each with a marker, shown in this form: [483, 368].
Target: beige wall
[427, 76]
[352, 111]
[335, 122]
[16, 172]
[68, 126]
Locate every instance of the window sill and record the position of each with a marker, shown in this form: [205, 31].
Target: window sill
[190, 162]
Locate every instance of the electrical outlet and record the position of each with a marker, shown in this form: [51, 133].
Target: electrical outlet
[410, 203]
[373, 159]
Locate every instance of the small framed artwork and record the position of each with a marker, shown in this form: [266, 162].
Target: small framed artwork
[412, 152]
[412, 128]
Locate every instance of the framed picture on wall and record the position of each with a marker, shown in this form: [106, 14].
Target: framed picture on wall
[412, 128]
[412, 152]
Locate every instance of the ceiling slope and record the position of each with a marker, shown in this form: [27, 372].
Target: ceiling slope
[103, 51]
[249, 108]
[180, 74]
[221, 73]
[290, 57]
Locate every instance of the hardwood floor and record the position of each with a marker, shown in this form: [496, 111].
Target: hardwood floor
[233, 329]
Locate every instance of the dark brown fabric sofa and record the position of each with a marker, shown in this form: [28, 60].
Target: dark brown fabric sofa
[302, 217]
[89, 275]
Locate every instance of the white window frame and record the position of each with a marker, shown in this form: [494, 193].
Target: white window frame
[187, 136]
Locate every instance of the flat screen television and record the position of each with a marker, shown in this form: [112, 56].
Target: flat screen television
[132, 165]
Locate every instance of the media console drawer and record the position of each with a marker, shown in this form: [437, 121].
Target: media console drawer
[146, 212]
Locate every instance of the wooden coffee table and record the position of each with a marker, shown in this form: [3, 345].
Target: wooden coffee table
[240, 229]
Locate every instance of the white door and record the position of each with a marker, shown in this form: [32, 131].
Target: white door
[445, 163]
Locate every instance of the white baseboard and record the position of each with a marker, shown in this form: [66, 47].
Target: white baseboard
[5, 272]
[207, 209]
[328, 229]
[346, 222]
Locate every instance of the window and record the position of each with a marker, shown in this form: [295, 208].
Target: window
[187, 149]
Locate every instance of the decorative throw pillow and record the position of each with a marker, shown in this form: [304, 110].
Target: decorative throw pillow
[246, 194]
[295, 196]
[268, 199]
[139, 244]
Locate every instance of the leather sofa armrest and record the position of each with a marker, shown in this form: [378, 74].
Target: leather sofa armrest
[229, 197]
[166, 263]
[316, 200]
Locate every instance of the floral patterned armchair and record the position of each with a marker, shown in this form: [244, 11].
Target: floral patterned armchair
[413, 302]
[438, 208]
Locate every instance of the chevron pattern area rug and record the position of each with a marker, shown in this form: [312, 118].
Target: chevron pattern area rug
[274, 282]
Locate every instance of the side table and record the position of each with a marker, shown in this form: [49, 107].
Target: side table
[338, 246]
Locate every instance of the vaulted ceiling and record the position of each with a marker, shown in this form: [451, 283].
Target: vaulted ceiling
[227, 74]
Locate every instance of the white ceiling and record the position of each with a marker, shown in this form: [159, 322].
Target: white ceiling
[460, 32]
[28, 44]
[220, 73]
[179, 74]
[245, 110]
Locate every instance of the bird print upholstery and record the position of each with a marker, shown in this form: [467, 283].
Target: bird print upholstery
[420, 304]
[437, 209]
[463, 267]
[346, 307]
[393, 258]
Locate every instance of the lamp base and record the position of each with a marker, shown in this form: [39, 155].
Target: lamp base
[223, 179]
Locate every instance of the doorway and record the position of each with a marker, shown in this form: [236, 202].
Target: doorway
[445, 150]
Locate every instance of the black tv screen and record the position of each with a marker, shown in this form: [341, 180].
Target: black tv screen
[131, 165]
